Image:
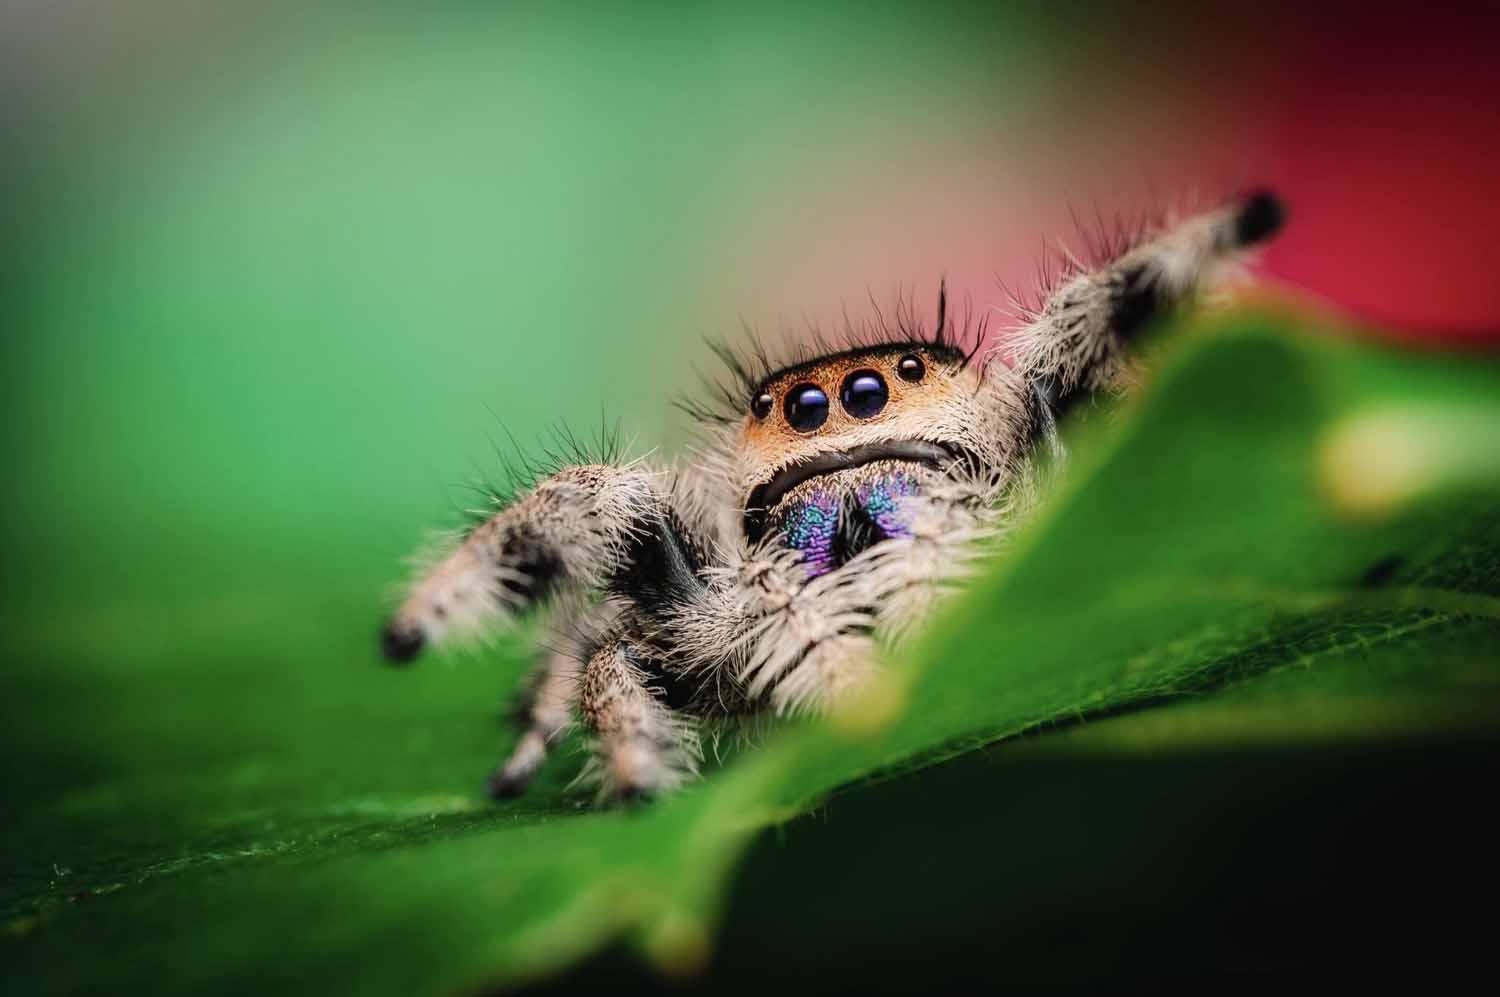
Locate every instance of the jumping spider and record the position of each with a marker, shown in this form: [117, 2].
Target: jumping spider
[833, 501]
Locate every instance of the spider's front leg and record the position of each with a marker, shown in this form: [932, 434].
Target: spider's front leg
[588, 531]
[1077, 342]
[572, 531]
[586, 528]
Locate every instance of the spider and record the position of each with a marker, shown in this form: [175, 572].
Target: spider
[831, 503]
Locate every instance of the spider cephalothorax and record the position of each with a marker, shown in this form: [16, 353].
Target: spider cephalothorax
[832, 500]
[832, 447]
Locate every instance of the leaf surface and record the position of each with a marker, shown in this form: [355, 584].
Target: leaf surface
[225, 793]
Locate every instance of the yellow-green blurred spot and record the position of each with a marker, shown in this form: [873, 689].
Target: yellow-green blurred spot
[1373, 464]
[678, 944]
[877, 705]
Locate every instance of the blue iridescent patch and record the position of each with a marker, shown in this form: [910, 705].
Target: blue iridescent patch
[881, 500]
[811, 524]
[810, 527]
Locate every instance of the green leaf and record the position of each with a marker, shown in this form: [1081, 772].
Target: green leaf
[227, 789]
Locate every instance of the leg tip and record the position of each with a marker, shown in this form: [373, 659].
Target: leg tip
[511, 779]
[632, 795]
[400, 644]
[506, 787]
[1261, 216]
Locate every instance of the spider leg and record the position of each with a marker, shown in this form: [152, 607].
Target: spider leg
[643, 747]
[573, 531]
[547, 705]
[1076, 343]
[587, 529]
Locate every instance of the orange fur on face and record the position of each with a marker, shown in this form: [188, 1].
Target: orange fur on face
[930, 409]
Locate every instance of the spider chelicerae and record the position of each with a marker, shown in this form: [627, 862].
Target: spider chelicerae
[832, 501]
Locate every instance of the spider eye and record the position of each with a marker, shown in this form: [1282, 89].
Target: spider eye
[864, 393]
[911, 368]
[806, 407]
[760, 405]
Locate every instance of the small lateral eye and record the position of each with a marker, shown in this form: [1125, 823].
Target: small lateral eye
[806, 407]
[911, 368]
[760, 405]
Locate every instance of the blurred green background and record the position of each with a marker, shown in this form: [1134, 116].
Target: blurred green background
[275, 298]
[275, 276]
[272, 267]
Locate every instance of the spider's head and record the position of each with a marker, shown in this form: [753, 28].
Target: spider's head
[830, 447]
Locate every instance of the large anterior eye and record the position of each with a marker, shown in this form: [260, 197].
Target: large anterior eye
[864, 393]
[806, 407]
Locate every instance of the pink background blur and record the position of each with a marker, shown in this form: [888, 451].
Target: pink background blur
[1381, 130]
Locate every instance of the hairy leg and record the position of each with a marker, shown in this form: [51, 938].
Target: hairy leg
[545, 709]
[573, 530]
[643, 747]
[1076, 343]
[549, 703]
[547, 713]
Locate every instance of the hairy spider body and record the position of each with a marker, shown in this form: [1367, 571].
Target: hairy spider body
[831, 503]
